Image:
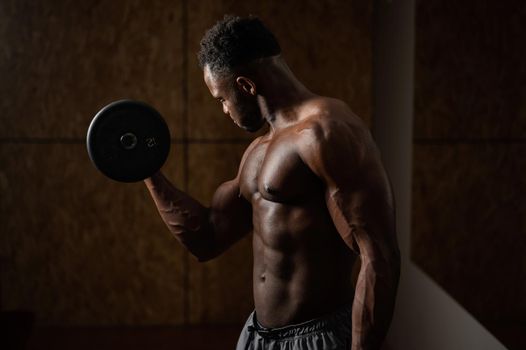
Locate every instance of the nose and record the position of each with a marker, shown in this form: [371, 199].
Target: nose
[225, 109]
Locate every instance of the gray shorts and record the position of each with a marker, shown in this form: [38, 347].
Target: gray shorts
[332, 331]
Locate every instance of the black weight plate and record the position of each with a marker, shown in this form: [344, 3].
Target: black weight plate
[128, 141]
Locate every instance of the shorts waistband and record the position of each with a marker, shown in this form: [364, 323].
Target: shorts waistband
[334, 320]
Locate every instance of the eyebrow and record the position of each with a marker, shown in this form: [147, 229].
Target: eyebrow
[214, 94]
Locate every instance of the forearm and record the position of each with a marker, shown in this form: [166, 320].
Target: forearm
[374, 302]
[184, 216]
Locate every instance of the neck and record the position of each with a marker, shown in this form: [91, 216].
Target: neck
[280, 93]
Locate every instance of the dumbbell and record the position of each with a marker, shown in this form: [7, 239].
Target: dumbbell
[128, 141]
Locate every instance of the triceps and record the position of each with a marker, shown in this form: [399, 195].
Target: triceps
[345, 223]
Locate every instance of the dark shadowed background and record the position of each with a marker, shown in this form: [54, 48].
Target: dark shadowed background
[86, 263]
[469, 165]
[88, 257]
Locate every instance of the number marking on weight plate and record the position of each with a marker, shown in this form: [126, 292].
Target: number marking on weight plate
[151, 142]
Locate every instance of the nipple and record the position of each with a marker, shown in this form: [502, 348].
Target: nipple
[270, 190]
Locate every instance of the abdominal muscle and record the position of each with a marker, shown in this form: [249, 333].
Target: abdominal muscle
[302, 268]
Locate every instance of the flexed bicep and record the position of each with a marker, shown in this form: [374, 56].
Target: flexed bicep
[230, 215]
[230, 212]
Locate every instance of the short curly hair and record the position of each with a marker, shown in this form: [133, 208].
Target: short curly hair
[235, 41]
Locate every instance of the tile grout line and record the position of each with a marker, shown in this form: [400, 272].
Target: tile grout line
[185, 140]
[481, 140]
[80, 141]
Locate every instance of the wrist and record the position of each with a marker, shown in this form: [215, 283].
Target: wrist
[150, 181]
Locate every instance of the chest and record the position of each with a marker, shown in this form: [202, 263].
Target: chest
[274, 170]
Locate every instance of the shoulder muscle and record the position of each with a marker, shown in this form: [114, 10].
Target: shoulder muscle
[334, 147]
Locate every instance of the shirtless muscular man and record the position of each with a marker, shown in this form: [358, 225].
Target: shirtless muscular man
[313, 193]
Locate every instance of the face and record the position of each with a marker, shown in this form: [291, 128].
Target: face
[238, 102]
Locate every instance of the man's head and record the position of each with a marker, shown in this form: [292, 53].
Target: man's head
[234, 42]
[227, 51]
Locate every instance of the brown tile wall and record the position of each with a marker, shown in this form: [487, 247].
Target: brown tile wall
[469, 154]
[326, 43]
[79, 249]
[62, 62]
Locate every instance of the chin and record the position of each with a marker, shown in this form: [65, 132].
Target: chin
[252, 128]
[252, 131]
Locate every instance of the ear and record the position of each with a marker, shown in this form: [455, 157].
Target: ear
[246, 85]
